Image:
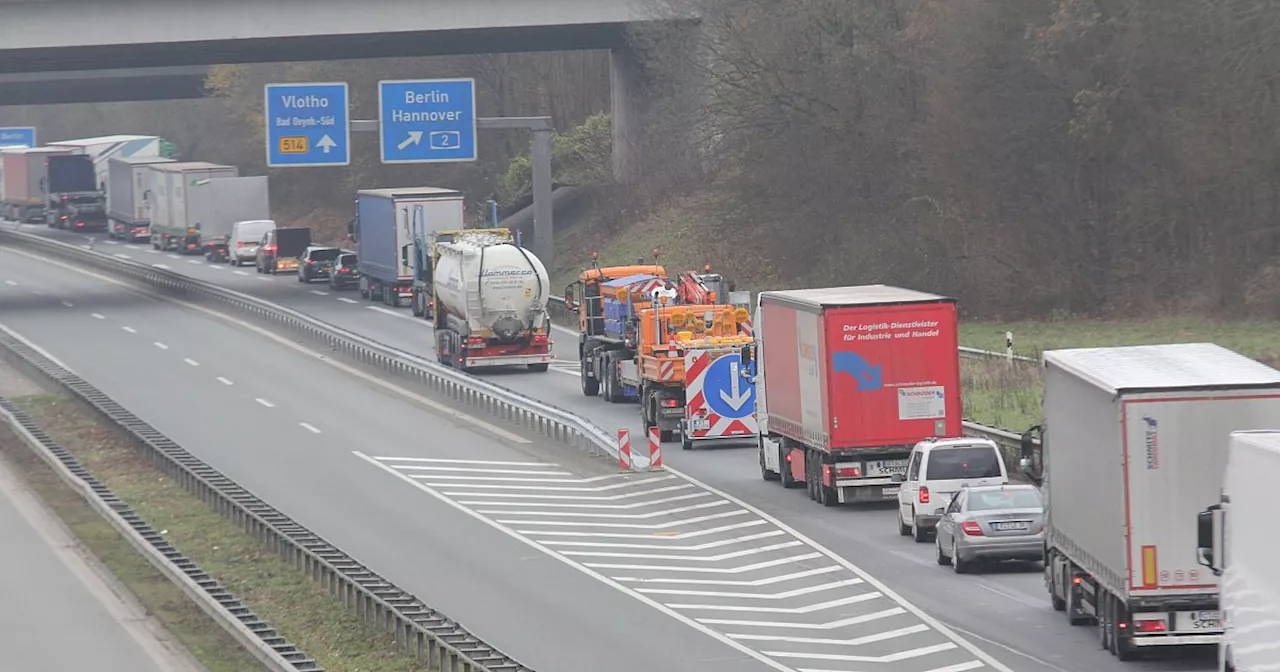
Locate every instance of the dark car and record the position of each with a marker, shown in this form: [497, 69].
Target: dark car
[344, 273]
[316, 262]
[280, 249]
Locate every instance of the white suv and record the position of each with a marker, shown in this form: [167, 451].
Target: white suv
[936, 471]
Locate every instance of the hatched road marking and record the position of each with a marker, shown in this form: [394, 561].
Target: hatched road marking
[759, 586]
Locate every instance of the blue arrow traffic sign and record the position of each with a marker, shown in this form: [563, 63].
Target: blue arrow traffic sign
[18, 136]
[307, 125]
[726, 392]
[866, 376]
[427, 120]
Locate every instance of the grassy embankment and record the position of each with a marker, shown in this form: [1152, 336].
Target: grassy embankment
[995, 394]
[302, 611]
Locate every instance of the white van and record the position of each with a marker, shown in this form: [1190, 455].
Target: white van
[242, 245]
[936, 471]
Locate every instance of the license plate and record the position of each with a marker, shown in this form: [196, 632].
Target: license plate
[672, 411]
[1011, 526]
[699, 424]
[883, 468]
[890, 492]
[1201, 620]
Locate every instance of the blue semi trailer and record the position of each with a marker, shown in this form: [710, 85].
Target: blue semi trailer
[383, 231]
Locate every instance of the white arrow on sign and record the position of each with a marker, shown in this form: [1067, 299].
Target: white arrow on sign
[415, 137]
[326, 143]
[739, 397]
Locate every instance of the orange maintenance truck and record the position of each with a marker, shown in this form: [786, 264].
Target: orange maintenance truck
[640, 342]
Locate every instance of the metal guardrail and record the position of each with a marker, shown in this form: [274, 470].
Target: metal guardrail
[554, 422]
[419, 630]
[258, 637]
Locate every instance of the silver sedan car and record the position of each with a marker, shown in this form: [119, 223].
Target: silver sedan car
[991, 523]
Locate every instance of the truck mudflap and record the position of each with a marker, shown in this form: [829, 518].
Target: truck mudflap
[719, 403]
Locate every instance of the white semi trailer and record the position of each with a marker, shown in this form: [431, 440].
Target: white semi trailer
[1236, 544]
[1134, 446]
[490, 303]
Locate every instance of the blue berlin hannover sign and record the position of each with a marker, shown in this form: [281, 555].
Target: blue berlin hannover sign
[308, 125]
[427, 120]
[17, 136]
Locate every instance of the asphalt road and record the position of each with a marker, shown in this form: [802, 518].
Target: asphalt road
[1005, 611]
[60, 612]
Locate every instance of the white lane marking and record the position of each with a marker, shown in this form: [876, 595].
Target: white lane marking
[665, 547]
[647, 502]
[853, 620]
[707, 558]
[857, 641]
[190, 361]
[1020, 600]
[728, 582]
[130, 330]
[11, 283]
[215, 267]
[318, 292]
[1043, 663]
[492, 471]
[263, 278]
[122, 256]
[703, 570]
[787, 594]
[630, 526]
[194, 261]
[160, 266]
[68, 304]
[629, 516]
[154, 251]
[240, 272]
[98, 316]
[515, 479]
[309, 427]
[566, 372]
[444, 460]
[35, 347]
[601, 488]
[346, 300]
[111, 242]
[596, 575]
[587, 498]
[224, 381]
[392, 313]
[623, 535]
[160, 345]
[888, 658]
[264, 402]
[821, 606]
[324, 358]
[173, 256]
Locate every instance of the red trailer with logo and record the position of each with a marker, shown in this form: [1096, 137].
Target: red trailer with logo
[848, 379]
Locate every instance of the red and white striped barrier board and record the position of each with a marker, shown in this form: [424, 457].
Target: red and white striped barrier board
[625, 462]
[655, 449]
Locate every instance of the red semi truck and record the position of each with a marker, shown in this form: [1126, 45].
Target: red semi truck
[848, 379]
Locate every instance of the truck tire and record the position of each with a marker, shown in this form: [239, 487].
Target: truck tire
[788, 481]
[590, 386]
[1121, 641]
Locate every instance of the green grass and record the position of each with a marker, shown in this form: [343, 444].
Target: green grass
[299, 608]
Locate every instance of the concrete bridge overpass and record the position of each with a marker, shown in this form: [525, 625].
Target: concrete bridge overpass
[103, 86]
[50, 36]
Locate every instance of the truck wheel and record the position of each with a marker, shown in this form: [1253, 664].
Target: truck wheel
[540, 367]
[1121, 640]
[415, 307]
[667, 435]
[788, 481]
[685, 442]
[590, 386]
[1103, 607]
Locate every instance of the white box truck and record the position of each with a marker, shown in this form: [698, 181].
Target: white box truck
[216, 206]
[128, 187]
[171, 225]
[1134, 447]
[1236, 544]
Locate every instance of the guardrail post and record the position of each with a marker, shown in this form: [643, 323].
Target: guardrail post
[1008, 347]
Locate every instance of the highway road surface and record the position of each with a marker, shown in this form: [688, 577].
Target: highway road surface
[61, 611]
[1004, 612]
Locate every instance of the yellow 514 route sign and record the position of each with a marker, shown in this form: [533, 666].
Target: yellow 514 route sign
[296, 144]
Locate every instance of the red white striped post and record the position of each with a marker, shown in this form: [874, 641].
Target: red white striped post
[624, 450]
[655, 450]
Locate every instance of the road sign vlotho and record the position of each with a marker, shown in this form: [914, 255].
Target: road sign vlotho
[427, 120]
[307, 125]
[726, 392]
[18, 136]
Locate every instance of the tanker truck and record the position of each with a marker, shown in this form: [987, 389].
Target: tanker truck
[490, 303]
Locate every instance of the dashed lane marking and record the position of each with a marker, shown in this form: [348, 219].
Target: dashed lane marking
[224, 381]
[160, 266]
[130, 330]
[309, 427]
[160, 345]
[122, 256]
[240, 272]
[11, 283]
[346, 300]
[190, 361]
[318, 292]
[68, 304]
[663, 539]
[194, 261]
[98, 316]
[392, 313]
[264, 402]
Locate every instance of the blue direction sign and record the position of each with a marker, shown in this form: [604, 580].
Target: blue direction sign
[18, 136]
[726, 392]
[427, 120]
[308, 125]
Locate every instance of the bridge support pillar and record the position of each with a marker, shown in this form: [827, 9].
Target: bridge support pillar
[626, 82]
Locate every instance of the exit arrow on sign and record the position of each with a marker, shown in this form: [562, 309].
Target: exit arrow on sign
[326, 143]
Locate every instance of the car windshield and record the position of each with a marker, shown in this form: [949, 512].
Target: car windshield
[348, 261]
[963, 462]
[992, 500]
[324, 255]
